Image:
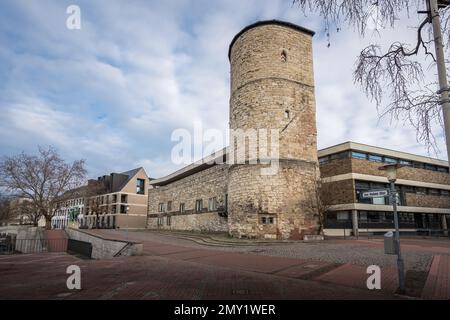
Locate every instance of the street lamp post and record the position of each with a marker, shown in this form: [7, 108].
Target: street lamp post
[127, 208]
[391, 173]
[444, 90]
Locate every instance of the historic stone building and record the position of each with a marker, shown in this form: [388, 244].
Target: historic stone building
[272, 88]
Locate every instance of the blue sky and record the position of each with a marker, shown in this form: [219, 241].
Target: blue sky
[113, 92]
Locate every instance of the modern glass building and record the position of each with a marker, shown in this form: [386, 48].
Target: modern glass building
[350, 169]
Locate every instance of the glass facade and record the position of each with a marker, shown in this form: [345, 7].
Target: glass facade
[383, 220]
[382, 159]
[363, 186]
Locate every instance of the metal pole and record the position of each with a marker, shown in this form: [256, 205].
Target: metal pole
[442, 71]
[127, 208]
[400, 264]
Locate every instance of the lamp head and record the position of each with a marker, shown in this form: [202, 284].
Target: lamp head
[391, 171]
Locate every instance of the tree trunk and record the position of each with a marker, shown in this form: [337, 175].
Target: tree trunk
[48, 223]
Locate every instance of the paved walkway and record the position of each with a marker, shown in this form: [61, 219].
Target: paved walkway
[157, 277]
[174, 272]
[408, 245]
[178, 270]
[438, 281]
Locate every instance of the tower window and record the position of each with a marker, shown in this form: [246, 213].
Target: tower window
[284, 56]
[267, 220]
[287, 114]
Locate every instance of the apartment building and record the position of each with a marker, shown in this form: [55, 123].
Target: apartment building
[67, 211]
[117, 200]
[349, 169]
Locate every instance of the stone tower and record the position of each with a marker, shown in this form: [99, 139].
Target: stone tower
[272, 88]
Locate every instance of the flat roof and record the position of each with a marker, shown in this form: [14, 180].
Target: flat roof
[200, 165]
[220, 157]
[349, 145]
[268, 22]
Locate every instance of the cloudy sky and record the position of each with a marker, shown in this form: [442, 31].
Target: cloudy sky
[113, 92]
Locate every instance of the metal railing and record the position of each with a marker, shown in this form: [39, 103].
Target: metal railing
[17, 246]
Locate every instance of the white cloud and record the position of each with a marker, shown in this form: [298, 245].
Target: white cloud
[113, 92]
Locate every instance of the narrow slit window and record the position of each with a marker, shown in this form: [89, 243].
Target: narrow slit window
[284, 56]
[287, 114]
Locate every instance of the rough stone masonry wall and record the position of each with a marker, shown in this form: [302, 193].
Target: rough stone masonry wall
[289, 197]
[264, 87]
[204, 185]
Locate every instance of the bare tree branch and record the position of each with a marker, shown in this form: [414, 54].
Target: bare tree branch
[393, 79]
[42, 179]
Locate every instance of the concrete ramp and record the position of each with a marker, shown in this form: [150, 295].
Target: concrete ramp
[105, 248]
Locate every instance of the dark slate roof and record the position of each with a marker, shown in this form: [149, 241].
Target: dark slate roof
[130, 174]
[267, 22]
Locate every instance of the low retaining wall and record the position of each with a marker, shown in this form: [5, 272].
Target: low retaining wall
[26, 239]
[103, 248]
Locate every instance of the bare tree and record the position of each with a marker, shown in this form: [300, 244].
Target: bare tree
[319, 203]
[41, 179]
[5, 209]
[23, 211]
[322, 196]
[92, 201]
[393, 77]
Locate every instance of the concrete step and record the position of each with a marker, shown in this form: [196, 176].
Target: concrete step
[212, 240]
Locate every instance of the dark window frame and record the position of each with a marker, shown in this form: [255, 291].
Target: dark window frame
[199, 205]
[140, 188]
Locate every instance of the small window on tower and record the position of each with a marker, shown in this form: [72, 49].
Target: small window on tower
[284, 56]
[287, 114]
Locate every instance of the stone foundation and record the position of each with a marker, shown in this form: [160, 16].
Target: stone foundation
[204, 222]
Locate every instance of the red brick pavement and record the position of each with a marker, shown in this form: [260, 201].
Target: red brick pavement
[155, 277]
[306, 270]
[355, 276]
[57, 240]
[176, 272]
[427, 245]
[438, 281]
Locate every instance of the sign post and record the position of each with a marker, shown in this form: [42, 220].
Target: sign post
[375, 194]
[391, 174]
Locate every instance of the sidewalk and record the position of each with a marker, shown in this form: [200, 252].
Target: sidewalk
[438, 282]
[345, 275]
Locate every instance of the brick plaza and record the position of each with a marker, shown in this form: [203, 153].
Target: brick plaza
[175, 267]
